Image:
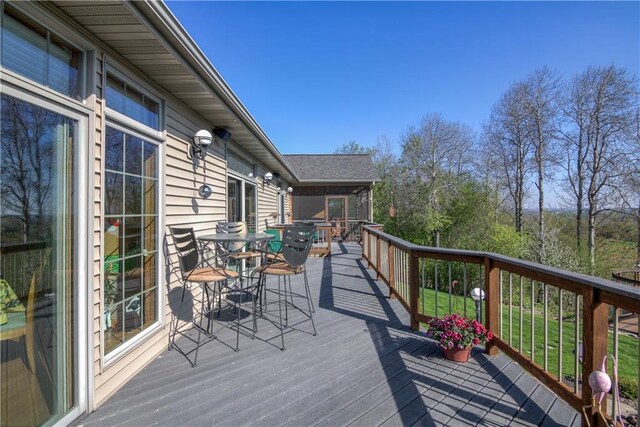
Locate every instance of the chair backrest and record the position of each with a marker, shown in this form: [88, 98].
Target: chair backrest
[296, 244]
[232, 227]
[274, 245]
[186, 245]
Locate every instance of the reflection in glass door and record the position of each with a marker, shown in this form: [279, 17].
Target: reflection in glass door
[241, 202]
[38, 327]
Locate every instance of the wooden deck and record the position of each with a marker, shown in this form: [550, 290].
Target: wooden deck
[365, 367]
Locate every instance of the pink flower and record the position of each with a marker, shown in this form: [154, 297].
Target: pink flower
[489, 336]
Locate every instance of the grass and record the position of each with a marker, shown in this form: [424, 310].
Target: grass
[628, 346]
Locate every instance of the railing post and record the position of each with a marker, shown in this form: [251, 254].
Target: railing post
[413, 289]
[392, 270]
[492, 299]
[595, 330]
[378, 259]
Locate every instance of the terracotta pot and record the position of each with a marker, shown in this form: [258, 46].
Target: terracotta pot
[457, 355]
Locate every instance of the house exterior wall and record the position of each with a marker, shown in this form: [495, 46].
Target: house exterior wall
[180, 204]
[182, 207]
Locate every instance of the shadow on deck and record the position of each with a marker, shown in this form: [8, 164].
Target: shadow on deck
[365, 367]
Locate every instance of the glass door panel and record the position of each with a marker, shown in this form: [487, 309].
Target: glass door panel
[38, 234]
[337, 215]
[250, 206]
[130, 237]
[234, 201]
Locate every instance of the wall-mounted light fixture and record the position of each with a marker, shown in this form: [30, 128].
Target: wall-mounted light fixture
[268, 177]
[201, 140]
[250, 175]
[289, 190]
[205, 191]
[279, 189]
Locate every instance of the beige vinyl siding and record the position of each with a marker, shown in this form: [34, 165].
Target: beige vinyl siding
[267, 201]
[182, 206]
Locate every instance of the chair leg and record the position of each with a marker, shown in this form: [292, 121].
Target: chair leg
[202, 309]
[309, 303]
[239, 309]
[280, 311]
[209, 306]
[286, 303]
[175, 330]
[306, 284]
[219, 299]
[255, 318]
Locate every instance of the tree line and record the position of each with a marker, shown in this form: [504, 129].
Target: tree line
[446, 184]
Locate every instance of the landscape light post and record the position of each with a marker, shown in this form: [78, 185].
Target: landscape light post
[477, 295]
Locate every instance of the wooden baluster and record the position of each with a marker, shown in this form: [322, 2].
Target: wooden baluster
[492, 289]
[414, 283]
[392, 270]
[378, 258]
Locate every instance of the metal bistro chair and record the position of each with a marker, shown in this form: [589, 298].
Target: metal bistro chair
[236, 249]
[204, 273]
[296, 245]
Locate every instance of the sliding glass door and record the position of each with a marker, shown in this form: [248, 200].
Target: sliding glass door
[241, 202]
[38, 271]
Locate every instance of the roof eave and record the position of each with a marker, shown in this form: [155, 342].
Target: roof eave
[175, 34]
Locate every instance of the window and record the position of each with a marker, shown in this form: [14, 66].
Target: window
[124, 99]
[130, 236]
[34, 52]
[131, 215]
[239, 165]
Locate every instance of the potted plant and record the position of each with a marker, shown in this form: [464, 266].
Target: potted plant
[456, 335]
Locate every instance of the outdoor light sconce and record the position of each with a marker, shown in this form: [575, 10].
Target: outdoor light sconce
[201, 140]
[289, 190]
[267, 179]
[279, 189]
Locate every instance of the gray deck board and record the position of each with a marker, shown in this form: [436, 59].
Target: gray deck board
[365, 367]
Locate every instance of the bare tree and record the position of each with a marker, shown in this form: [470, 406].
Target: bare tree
[27, 163]
[438, 155]
[602, 107]
[541, 109]
[507, 138]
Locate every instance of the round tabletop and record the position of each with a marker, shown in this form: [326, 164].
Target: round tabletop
[236, 237]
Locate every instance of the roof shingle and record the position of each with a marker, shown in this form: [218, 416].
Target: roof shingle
[333, 167]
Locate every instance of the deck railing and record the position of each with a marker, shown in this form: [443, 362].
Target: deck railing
[557, 324]
[18, 261]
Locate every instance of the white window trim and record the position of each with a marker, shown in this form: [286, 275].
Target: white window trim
[37, 13]
[125, 124]
[243, 181]
[157, 134]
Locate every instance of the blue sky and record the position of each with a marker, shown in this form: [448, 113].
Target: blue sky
[316, 75]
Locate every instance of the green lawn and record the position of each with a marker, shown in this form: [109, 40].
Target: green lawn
[628, 346]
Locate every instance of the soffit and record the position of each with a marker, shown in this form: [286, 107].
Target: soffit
[142, 37]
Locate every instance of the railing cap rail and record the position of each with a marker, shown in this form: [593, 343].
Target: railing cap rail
[565, 275]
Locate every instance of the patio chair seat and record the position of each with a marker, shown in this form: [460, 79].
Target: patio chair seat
[245, 255]
[271, 257]
[203, 275]
[282, 269]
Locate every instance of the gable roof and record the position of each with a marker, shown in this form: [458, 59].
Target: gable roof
[333, 168]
